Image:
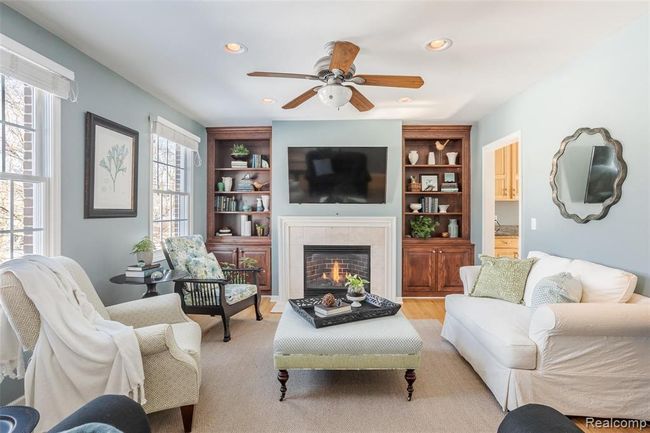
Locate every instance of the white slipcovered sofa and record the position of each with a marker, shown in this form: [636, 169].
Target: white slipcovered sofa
[586, 359]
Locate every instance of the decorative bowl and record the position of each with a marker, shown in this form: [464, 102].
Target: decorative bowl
[415, 207]
[356, 299]
[443, 208]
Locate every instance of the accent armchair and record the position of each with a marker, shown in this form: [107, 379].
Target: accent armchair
[211, 290]
[170, 342]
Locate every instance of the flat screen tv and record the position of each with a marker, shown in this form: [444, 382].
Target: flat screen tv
[337, 175]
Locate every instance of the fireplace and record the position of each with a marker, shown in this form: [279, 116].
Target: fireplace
[326, 266]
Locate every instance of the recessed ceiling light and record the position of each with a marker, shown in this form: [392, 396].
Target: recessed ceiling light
[440, 44]
[404, 100]
[234, 48]
[268, 101]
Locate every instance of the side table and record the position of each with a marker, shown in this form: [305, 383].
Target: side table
[168, 275]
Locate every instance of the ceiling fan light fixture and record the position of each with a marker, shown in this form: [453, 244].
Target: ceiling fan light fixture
[404, 100]
[334, 95]
[440, 44]
[268, 101]
[235, 48]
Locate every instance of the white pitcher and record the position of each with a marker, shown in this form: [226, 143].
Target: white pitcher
[413, 157]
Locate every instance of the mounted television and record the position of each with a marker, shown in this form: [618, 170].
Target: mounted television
[354, 175]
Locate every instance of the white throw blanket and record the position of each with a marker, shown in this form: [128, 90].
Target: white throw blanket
[79, 355]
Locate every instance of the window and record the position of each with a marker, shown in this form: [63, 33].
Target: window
[25, 168]
[171, 190]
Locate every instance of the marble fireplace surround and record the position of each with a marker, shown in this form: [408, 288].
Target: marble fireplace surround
[296, 232]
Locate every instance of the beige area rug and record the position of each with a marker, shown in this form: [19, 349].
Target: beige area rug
[239, 391]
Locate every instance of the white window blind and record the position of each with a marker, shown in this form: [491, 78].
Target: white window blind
[23, 64]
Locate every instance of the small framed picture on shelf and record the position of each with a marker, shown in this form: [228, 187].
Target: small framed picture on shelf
[429, 182]
[449, 177]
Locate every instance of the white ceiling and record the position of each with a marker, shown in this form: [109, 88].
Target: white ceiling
[174, 50]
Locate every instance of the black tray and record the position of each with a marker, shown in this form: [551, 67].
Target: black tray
[374, 306]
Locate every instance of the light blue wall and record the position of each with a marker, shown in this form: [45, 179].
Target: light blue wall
[380, 133]
[605, 87]
[102, 245]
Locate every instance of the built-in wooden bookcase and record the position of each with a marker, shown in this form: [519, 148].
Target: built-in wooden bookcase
[233, 248]
[430, 266]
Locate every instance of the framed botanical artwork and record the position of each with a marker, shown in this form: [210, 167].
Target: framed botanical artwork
[111, 172]
[429, 182]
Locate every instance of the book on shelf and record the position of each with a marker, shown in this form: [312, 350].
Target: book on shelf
[140, 274]
[429, 204]
[449, 187]
[322, 311]
[143, 267]
[225, 204]
[238, 164]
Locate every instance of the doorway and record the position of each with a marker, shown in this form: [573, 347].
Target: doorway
[502, 197]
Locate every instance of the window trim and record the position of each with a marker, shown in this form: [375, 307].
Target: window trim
[158, 255]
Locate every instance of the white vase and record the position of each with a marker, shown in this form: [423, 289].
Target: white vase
[266, 202]
[451, 156]
[227, 183]
[431, 159]
[413, 157]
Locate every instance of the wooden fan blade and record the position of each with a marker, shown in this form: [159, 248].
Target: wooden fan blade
[359, 101]
[282, 75]
[300, 99]
[409, 81]
[343, 56]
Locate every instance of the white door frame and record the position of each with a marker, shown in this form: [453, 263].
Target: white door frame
[489, 194]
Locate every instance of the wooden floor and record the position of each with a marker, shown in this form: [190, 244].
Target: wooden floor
[431, 309]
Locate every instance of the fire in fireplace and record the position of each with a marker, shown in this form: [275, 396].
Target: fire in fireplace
[327, 265]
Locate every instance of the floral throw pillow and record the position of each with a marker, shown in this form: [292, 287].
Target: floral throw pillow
[204, 267]
[502, 278]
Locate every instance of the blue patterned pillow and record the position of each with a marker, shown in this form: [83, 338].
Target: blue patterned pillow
[556, 289]
[204, 267]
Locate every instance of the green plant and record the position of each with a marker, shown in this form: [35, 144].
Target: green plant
[423, 227]
[144, 246]
[240, 150]
[226, 266]
[248, 263]
[355, 283]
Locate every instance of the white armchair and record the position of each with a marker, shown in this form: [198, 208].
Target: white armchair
[170, 342]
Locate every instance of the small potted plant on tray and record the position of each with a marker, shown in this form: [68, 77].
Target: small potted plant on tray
[239, 152]
[144, 250]
[356, 289]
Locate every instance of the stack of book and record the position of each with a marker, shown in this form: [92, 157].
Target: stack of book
[322, 311]
[245, 185]
[225, 204]
[238, 164]
[429, 204]
[449, 187]
[144, 271]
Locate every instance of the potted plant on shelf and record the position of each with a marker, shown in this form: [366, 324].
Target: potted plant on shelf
[239, 152]
[356, 289]
[423, 227]
[144, 250]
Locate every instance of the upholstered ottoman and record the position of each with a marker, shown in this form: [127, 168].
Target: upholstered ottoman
[386, 343]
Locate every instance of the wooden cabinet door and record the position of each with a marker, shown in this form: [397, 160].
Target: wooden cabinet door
[263, 256]
[225, 253]
[514, 171]
[418, 271]
[501, 174]
[449, 262]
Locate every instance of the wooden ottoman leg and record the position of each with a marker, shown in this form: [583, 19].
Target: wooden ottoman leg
[410, 378]
[283, 376]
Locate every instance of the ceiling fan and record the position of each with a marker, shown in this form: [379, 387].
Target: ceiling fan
[337, 68]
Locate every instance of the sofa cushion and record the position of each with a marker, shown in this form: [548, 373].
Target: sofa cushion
[502, 278]
[601, 283]
[501, 327]
[557, 289]
[545, 266]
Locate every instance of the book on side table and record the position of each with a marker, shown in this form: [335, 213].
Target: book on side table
[323, 311]
[137, 271]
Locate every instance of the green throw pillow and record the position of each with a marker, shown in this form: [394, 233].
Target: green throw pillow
[502, 278]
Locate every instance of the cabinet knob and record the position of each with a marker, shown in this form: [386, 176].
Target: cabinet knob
[433, 251]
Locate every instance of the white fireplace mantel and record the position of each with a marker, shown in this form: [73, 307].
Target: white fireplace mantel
[296, 232]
